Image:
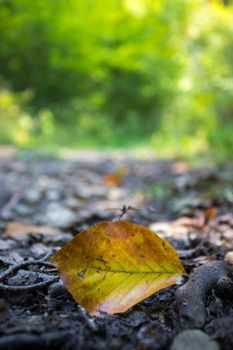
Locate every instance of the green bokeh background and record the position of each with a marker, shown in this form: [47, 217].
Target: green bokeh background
[118, 74]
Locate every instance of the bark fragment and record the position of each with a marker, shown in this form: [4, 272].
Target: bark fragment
[191, 297]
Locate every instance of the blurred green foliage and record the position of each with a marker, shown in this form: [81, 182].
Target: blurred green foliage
[119, 72]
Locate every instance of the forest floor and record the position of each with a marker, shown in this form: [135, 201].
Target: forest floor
[44, 202]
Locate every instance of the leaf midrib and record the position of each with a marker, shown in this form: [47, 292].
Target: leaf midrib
[132, 272]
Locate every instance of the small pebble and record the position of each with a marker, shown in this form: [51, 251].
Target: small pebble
[229, 257]
[23, 210]
[32, 196]
[193, 340]
[73, 203]
[53, 195]
[59, 216]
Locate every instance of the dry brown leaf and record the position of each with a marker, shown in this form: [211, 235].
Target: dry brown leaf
[18, 230]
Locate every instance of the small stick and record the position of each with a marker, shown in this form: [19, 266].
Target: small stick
[47, 256]
[16, 267]
[8, 288]
[89, 320]
[124, 210]
[188, 253]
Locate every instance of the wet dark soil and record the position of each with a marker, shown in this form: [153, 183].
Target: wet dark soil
[191, 208]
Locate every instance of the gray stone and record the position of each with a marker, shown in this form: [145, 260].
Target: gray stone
[53, 195]
[193, 340]
[23, 210]
[73, 203]
[32, 196]
[59, 216]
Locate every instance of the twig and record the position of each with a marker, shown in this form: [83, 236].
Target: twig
[124, 210]
[8, 288]
[188, 253]
[6, 261]
[89, 320]
[16, 267]
[47, 256]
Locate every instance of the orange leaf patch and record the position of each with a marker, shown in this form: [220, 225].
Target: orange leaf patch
[19, 230]
[114, 265]
[112, 180]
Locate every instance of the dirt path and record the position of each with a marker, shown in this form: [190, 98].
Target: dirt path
[190, 208]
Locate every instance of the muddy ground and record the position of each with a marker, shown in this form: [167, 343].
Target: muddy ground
[191, 208]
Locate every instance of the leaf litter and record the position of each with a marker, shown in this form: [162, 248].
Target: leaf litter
[48, 316]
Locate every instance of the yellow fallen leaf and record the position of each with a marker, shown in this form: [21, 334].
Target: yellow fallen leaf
[114, 265]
